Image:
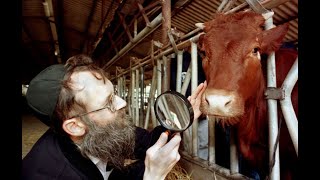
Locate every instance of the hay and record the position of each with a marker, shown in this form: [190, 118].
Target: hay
[178, 173]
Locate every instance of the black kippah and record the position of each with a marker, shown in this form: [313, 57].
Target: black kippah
[44, 90]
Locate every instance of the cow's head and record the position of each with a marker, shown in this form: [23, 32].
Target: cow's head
[232, 45]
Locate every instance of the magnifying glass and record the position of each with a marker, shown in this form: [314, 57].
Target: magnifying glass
[173, 111]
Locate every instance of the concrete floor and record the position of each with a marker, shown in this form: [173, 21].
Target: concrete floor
[32, 129]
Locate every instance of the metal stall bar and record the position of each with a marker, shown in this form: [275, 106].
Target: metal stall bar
[141, 111]
[159, 76]
[151, 100]
[286, 104]
[133, 95]
[137, 92]
[166, 75]
[123, 88]
[120, 82]
[146, 120]
[179, 71]
[129, 99]
[186, 81]
[272, 112]
[188, 132]
[234, 157]
[211, 140]
[194, 84]
[120, 88]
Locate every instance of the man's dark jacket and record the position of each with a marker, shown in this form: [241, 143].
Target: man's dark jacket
[56, 157]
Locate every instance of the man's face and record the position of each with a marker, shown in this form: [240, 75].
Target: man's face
[96, 94]
[110, 136]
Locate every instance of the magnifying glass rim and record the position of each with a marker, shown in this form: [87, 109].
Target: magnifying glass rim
[186, 102]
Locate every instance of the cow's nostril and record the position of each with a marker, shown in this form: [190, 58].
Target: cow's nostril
[227, 103]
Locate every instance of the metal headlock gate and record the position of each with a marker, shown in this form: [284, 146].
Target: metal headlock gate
[137, 95]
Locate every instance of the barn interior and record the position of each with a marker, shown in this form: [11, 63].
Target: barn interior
[118, 33]
[124, 35]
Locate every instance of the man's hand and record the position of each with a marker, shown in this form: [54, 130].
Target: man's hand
[161, 157]
[195, 99]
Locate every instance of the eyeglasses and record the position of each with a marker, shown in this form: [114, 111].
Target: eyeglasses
[109, 106]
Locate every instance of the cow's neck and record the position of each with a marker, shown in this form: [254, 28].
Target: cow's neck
[252, 129]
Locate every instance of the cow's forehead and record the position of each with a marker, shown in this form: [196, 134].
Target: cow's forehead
[242, 18]
[233, 31]
[234, 26]
[221, 40]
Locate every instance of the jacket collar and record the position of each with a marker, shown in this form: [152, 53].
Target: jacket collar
[81, 163]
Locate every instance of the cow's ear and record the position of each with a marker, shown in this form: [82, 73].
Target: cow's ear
[272, 38]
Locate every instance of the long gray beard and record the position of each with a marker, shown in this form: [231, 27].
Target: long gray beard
[112, 143]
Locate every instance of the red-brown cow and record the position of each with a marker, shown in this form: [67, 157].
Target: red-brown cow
[232, 45]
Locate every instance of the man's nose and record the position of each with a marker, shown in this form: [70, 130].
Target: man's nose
[119, 103]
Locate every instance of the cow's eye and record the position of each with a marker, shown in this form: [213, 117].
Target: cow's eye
[255, 50]
[256, 53]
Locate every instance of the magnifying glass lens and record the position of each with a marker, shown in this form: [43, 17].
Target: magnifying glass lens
[173, 111]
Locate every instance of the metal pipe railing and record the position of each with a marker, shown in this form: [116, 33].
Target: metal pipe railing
[194, 84]
[141, 108]
[186, 81]
[151, 96]
[137, 93]
[234, 158]
[211, 140]
[144, 33]
[159, 76]
[286, 104]
[179, 71]
[166, 52]
[133, 95]
[272, 112]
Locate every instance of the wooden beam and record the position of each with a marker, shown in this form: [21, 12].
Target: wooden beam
[123, 22]
[143, 14]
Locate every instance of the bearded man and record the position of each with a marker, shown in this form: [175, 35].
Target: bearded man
[90, 135]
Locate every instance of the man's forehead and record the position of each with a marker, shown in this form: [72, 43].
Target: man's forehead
[87, 77]
[90, 87]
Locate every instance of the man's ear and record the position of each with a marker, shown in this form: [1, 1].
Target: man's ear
[74, 127]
